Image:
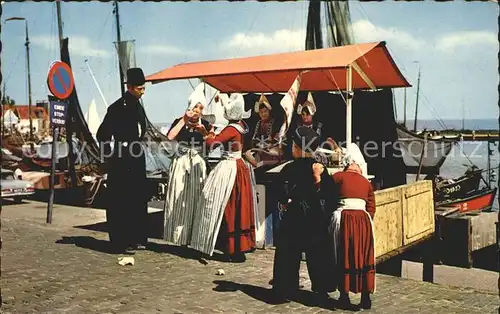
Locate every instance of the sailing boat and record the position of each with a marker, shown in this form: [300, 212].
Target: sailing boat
[92, 118]
[422, 151]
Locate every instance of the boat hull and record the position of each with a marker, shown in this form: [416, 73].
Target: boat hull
[482, 200]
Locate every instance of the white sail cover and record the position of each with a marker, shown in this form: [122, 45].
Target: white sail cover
[93, 119]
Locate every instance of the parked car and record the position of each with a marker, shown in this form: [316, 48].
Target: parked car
[15, 188]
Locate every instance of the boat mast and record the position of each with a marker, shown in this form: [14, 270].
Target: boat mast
[59, 24]
[404, 108]
[416, 102]
[463, 116]
[96, 84]
[69, 121]
[118, 39]
[29, 81]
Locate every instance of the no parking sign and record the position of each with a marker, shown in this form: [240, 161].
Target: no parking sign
[60, 80]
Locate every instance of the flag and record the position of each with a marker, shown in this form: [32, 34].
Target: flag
[126, 55]
[288, 103]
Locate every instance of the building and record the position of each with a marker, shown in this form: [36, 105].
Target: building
[17, 116]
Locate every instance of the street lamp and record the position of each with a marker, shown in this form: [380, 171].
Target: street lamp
[27, 44]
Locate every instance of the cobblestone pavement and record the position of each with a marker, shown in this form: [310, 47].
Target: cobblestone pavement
[60, 268]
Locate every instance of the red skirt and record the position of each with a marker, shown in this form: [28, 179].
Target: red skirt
[237, 233]
[356, 253]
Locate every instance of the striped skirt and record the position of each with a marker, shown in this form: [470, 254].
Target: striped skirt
[183, 197]
[228, 195]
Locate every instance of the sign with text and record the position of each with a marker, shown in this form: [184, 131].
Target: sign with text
[58, 111]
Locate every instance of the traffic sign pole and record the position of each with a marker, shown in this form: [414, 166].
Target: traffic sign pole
[61, 84]
[50, 205]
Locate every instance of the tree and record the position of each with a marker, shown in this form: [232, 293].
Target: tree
[6, 100]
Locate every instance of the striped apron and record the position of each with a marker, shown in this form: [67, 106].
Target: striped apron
[215, 195]
[187, 175]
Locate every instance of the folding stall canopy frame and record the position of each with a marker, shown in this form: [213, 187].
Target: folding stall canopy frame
[328, 69]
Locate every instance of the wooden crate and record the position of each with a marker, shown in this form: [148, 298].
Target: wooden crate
[462, 234]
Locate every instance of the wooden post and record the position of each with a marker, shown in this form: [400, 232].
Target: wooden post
[348, 111]
[421, 162]
[429, 259]
[392, 267]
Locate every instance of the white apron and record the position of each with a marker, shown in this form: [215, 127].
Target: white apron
[183, 197]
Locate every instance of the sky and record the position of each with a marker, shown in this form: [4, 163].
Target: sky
[455, 44]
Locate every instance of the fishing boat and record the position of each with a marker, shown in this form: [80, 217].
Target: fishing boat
[481, 200]
[463, 186]
[424, 152]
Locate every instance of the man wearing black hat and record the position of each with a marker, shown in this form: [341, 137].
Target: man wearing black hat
[127, 210]
[306, 204]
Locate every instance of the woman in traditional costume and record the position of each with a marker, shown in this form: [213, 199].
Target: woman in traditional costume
[265, 136]
[229, 201]
[353, 237]
[187, 171]
[306, 111]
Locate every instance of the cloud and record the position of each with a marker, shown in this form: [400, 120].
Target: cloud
[78, 45]
[282, 40]
[365, 31]
[451, 41]
[285, 40]
[166, 50]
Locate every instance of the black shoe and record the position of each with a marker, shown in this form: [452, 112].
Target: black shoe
[366, 302]
[321, 298]
[344, 303]
[279, 299]
[238, 258]
[130, 250]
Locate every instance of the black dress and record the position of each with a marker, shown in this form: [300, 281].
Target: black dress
[304, 228]
[189, 137]
[127, 203]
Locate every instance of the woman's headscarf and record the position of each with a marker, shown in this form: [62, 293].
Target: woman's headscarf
[353, 157]
[262, 101]
[309, 104]
[234, 108]
[197, 97]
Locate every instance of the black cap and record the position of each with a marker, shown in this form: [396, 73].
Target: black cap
[306, 138]
[135, 77]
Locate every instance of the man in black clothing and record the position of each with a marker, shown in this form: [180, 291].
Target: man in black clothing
[127, 209]
[306, 203]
